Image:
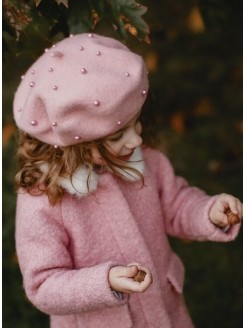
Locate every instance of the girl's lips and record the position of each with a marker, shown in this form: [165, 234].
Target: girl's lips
[126, 157]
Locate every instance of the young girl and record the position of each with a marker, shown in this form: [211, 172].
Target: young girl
[95, 207]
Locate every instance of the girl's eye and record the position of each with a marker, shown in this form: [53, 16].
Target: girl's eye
[116, 138]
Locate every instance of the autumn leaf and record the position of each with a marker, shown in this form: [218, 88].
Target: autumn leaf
[133, 13]
[7, 132]
[178, 122]
[126, 16]
[95, 17]
[18, 16]
[64, 2]
[37, 2]
[195, 21]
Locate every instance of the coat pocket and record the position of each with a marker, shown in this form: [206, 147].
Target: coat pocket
[175, 273]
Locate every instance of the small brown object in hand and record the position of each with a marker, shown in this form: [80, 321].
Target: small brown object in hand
[232, 218]
[139, 277]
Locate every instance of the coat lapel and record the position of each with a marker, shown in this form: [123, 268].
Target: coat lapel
[116, 211]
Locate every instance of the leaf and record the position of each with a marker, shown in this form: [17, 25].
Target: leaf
[7, 132]
[124, 15]
[64, 2]
[195, 21]
[96, 18]
[19, 16]
[178, 122]
[131, 14]
[151, 61]
[37, 2]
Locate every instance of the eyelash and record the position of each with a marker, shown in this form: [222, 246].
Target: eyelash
[122, 133]
[117, 138]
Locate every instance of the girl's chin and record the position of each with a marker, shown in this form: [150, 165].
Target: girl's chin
[126, 157]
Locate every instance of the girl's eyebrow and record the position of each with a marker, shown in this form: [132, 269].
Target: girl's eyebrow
[116, 133]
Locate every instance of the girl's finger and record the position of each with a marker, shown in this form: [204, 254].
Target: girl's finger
[222, 220]
[140, 267]
[231, 202]
[125, 271]
[129, 271]
[137, 287]
[240, 208]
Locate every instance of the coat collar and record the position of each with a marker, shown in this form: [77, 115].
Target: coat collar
[78, 183]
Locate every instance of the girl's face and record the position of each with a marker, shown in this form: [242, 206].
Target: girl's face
[123, 142]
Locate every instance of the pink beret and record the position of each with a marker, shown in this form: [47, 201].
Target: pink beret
[83, 88]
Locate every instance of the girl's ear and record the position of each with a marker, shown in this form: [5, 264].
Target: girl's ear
[96, 156]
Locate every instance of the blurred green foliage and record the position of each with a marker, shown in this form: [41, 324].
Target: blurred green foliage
[195, 70]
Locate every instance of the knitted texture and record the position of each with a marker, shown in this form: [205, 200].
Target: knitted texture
[81, 89]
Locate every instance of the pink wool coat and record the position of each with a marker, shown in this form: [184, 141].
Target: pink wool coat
[66, 251]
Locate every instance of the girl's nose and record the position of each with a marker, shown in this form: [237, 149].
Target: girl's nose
[133, 142]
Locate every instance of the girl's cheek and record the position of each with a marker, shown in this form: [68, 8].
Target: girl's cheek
[139, 128]
[114, 147]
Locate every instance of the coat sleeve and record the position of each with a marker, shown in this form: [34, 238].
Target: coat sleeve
[186, 209]
[50, 280]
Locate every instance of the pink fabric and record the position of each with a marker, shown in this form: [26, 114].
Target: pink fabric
[65, 252]
[66, 95]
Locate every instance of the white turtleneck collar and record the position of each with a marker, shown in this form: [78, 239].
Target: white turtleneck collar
[78, 184]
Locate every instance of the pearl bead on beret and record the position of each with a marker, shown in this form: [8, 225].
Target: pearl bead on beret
[81, 89]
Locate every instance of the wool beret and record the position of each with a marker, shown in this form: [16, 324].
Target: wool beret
[81, 89]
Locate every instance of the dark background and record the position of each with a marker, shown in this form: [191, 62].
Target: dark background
[195, 70]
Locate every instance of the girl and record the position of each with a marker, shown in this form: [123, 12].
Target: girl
[94, 206]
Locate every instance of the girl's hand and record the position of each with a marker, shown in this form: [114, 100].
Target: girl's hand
[223, 204]
[121, 279]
